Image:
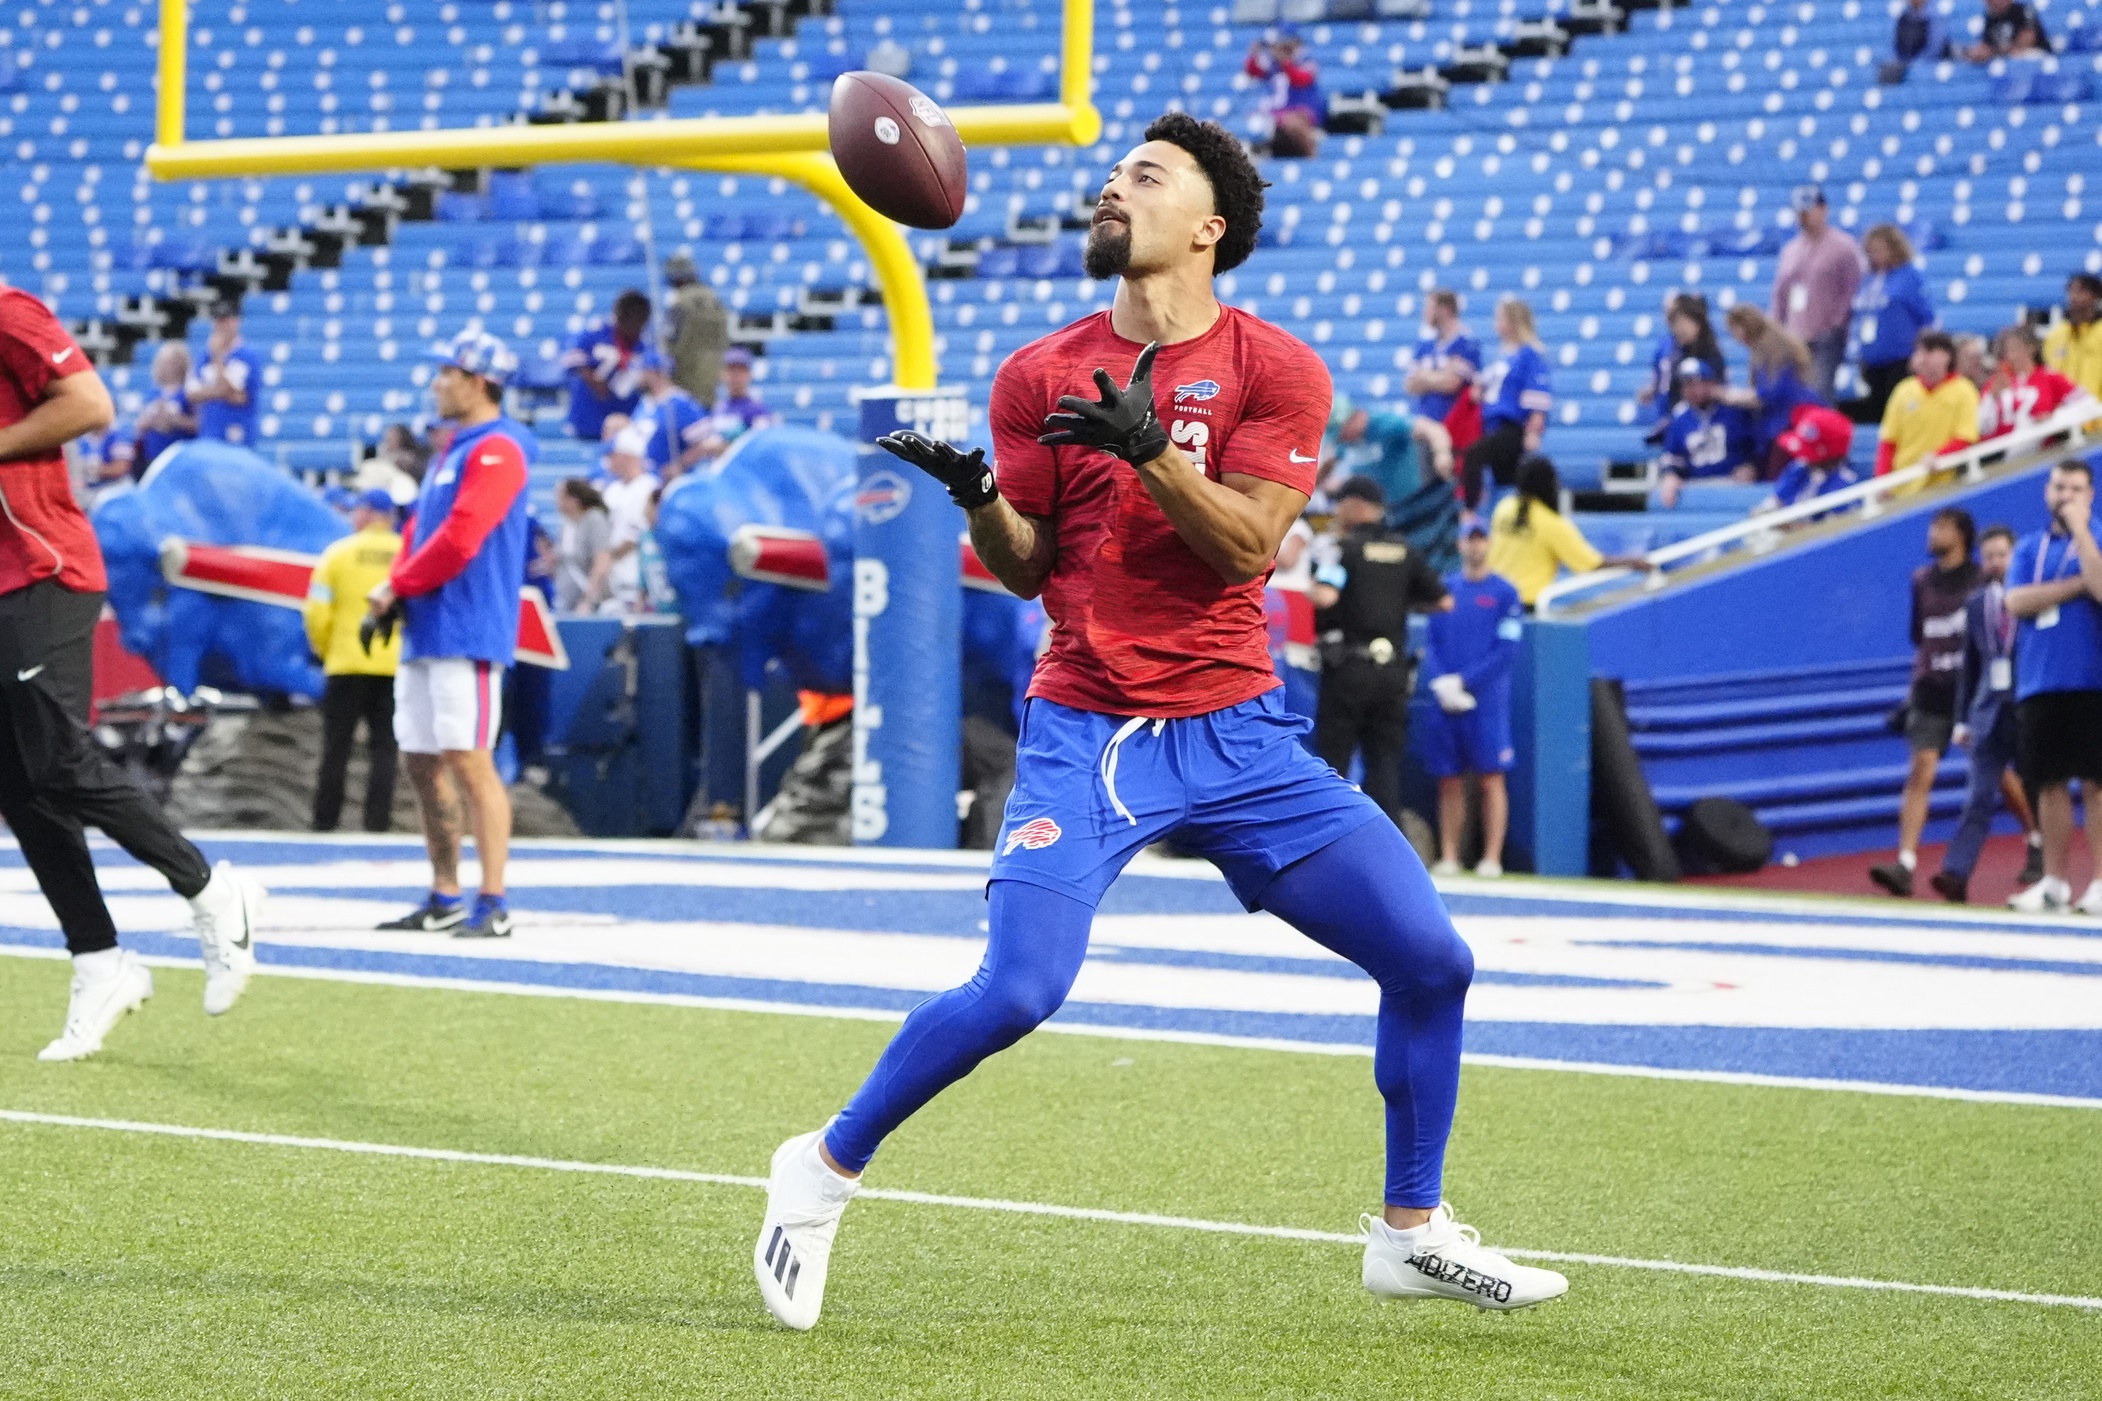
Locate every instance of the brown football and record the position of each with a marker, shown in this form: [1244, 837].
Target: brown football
[897, 150]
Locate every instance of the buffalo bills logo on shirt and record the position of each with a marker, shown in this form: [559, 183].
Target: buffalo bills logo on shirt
[883, 497]
[1035, 834]
[1196, 393]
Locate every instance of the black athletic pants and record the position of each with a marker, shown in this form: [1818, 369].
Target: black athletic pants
[1496, 455]
[1364, 709]
[346, 700]
[54, 782]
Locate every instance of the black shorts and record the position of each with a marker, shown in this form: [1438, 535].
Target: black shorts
[2061, 737]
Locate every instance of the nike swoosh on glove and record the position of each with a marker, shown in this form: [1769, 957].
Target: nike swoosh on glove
[1121, 423]
[969, 480]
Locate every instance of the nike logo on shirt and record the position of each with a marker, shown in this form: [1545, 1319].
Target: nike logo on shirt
[60, 358]
[26, 675]
[1297, 458]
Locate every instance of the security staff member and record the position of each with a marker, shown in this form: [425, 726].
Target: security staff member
[360, 682]
[1363, 602]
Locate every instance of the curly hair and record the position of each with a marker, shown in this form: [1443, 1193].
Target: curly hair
[1237, 190]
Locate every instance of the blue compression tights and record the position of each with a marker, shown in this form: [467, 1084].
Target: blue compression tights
[1364, 896]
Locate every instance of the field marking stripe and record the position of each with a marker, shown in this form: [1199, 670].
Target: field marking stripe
[1070, 1213]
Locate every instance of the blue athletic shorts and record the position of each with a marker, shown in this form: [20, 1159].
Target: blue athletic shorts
[1236, 785]
[1475, 741]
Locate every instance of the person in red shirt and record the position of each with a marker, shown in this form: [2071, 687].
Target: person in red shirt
[1147, 515]
[2021, 391]
[54, 781]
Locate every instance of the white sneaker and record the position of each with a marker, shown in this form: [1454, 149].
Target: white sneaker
[804, 1201]
[1490, 870]
[1446, 868]
[2049, 896]
[225, 915]
[1443, 1259]
[105, 987]
[2091, 902]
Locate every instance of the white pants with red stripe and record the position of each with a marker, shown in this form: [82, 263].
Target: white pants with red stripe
[447, 703]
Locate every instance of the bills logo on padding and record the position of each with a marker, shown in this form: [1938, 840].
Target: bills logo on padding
[1035, 834]
[1202, 389]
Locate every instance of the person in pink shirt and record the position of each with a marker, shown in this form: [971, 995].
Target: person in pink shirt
[1821, 269]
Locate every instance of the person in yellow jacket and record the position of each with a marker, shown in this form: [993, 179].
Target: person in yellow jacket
[360, 683]
[1933, 410]
[2074, 346]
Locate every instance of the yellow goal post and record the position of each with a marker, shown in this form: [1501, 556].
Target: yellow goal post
[790, 147]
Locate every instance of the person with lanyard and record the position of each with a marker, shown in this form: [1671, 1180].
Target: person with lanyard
[1362, 603]
[454, 590]
[226, 388]
[1517, 390]
[1890, 311]
[1985, 724]
[1706, 438]
[1468, 657]
[2056, 594]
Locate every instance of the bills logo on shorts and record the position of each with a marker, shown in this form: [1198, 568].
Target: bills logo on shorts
[1035, 834]
[1201, 390]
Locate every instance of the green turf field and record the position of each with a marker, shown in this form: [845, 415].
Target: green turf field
[144, 1266]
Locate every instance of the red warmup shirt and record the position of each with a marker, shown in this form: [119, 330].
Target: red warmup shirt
[43, 531]
[2008, 403]
[1141, 624]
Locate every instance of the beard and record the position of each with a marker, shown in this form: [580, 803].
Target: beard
[1108, 250]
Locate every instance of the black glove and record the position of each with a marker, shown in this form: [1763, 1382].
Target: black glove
[969, 480]
[380, 625]
[1122, 423]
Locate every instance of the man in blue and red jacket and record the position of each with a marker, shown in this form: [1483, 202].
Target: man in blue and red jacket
[455, 590]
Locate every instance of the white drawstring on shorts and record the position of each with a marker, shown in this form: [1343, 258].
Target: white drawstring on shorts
[1109, 761]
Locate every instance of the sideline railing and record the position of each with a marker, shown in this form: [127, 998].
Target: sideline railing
[2075, 425]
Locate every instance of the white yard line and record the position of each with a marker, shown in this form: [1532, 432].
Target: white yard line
[1072, 1213]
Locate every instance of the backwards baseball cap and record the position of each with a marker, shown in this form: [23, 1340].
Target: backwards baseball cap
[1362, 488]
[479, 354]
[1473, 525]
[376, 498]
[1806, 197]
[1693, 367]
[738, 355]
[633, 440]
[1817, 435]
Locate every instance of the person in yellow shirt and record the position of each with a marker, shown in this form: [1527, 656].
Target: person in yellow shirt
[1933, 410]
[2074, 346]
[1530, 542]
[360, 683]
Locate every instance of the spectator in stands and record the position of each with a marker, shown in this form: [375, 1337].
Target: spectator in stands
[1934, 411]
[1940, 589]
[1706, 438]
[1294, 102]
[1468, 661]
[167, 418]
[1780, 377]
[1815, 285]
[1687, 334]
[696, 330]
[587, 532]
[2055, 589]
[2054, 585]
[1973, 358]
[1411, 459]
[1444, 367]
[2073, 347]
[616, 575]
[676, 422]
[1530, 542]
[402, 448]
[1920, 35]
[602, 366]
[106, 462]
[226, 387]
[1890, 311]
[360, 674]
[737, 409]
[1517, 390]
[2013, 29]
[2021, 391]
[1985, 724]
[1816, 446]
[656, 594]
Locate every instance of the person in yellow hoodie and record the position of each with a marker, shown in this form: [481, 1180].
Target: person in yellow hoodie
[1935, 410]
[360, 682]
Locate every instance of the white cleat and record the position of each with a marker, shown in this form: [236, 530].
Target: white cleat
[225, 914]
[1443, 1259]
[804, 1201]
[2091, 902]
[104, 989]
[2049, 896]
